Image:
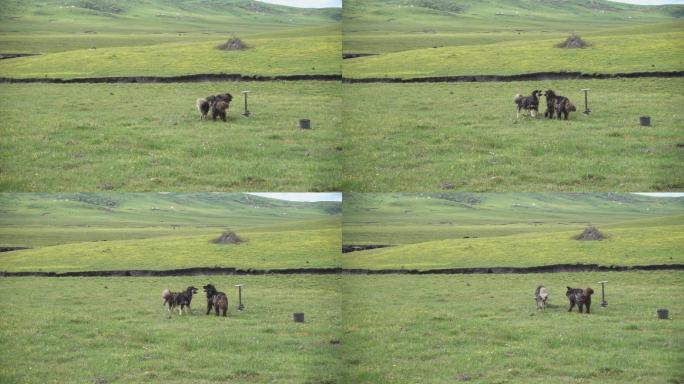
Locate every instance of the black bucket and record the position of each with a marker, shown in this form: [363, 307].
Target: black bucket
[663, 314]
[298, 317]
[645, 120]
[305, 124]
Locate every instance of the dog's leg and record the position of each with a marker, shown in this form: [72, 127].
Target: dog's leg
[216, 308]
[572, 305]
[588, 304]
[224, 311]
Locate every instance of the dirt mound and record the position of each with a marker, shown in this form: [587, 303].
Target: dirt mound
[233, 44]
[228, 237]
[591, 233]
[574, 41]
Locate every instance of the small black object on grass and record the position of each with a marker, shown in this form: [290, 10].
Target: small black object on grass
[645, 120]
[298, 317]
[304, 123]
[663, 314]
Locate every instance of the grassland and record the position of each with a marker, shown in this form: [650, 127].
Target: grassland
[115, 330]
[608, 54]
[433, 231]
[149, 138]
[98, 38]
[401, 329]
[317, 55]
[441, 38]
[115, 231]
[420, 137]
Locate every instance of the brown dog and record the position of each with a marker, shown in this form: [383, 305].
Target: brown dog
[216, 299]
[579, 296]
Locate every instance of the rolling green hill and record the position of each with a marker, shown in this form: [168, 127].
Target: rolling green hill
[420, 38]
[484, 230]
[81, 38]
[102, 231]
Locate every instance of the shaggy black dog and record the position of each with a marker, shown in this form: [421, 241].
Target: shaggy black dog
[216, 299]
[218, 109]
[179, 300]
[580, 297]
[528, 103]
[559, 105]
[215, 104]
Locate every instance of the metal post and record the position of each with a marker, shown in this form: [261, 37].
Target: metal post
[240, 306]
[586, 101]
[604, 303]
[247, 112]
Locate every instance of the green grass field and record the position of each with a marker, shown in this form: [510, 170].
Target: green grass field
[317, 55]
[433, 231]
[401, 329]
[98, 38]
[420, 137]
[118, 231]
[421, 38]
[149, 138]
[116, 331]
[608, 54]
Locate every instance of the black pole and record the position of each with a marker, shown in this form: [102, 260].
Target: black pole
[246, 113]
[240, 305]
[586, 101]
[604, 303]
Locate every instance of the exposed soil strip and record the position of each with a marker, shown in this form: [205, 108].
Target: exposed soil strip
[175, 79]
[10, 249]
[4, 56]
[346, 56]
[346, 248]
[538, 76]
[343, 271]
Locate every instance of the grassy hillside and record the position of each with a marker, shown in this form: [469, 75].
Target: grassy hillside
[107, 231]
[485, 329]
[149, 138]
[81, 38]
[419, 38]
[54, 26]
[419, 137]
[115, 330]
[608, 54]
[317, 55]
[484, 230]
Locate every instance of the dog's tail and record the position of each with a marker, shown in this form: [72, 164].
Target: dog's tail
[544, 293]
[166, 295]
[518, 97]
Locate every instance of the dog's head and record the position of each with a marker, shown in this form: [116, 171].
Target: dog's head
[191, 289]
[227, 97]
[588, 292]
[209, 289]
[550, 93]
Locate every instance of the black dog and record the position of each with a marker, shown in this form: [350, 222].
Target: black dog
[528, 103]
[219, 105]
[216, 299]
[560, 105]
[580, 297]
[213, 104]
[179, 300]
